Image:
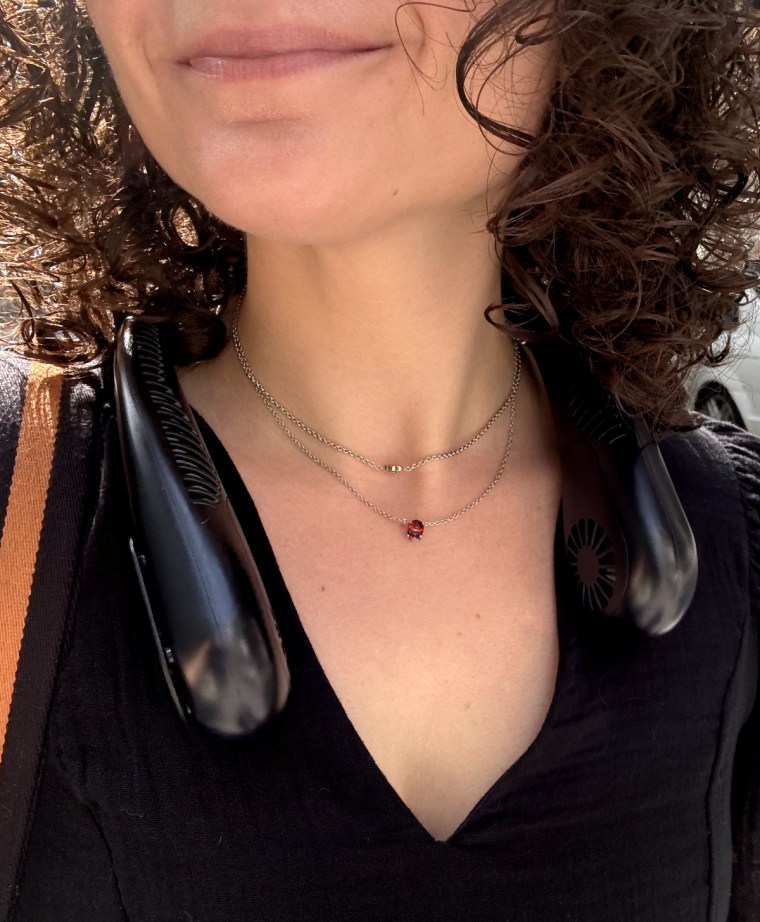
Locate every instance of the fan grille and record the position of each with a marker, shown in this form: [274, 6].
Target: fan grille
[592, 559]
[198, 472]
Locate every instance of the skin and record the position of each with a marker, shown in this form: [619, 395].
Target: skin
[364, 191]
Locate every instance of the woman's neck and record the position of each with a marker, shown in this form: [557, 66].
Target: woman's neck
[382, 347]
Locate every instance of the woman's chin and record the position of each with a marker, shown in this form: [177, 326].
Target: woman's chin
[293, 221]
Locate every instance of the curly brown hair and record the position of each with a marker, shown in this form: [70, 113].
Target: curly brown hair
[629, 231]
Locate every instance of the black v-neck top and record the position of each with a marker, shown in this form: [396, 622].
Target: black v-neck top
[620, 810]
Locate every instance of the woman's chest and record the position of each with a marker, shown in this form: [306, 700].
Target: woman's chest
[443, 657]
[619, 809]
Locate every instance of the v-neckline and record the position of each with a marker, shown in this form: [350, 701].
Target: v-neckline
[293, 631]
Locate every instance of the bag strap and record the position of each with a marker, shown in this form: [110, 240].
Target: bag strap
[46, 435]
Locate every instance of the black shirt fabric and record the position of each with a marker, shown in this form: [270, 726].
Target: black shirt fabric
[620, 810]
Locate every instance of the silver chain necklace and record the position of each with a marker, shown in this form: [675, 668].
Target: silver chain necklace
[391, 468]
[414, 527]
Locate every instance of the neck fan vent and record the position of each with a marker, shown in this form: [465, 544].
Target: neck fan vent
[197, 470]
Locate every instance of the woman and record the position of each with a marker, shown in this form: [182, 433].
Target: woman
[327, 197]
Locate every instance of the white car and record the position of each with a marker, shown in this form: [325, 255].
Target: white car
[732, 391]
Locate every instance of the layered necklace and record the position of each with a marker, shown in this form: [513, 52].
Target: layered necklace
[414, 527]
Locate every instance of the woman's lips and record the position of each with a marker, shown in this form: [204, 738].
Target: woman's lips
[281, 64]
[276, 51]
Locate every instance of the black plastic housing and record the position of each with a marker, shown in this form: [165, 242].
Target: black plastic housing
[212, 621]
[627, 538]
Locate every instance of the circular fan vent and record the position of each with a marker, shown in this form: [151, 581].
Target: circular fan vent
[592, 559]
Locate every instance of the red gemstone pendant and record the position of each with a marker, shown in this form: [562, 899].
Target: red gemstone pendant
[414, 530]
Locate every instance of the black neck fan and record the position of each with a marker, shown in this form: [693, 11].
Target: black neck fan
[211, 618]
[627, 539]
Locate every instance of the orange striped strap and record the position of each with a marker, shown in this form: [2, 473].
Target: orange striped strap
[24, 515]
[48, 422]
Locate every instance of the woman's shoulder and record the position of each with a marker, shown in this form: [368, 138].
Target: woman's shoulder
[716, 453]
[44, 393]
[14, 374]
[50, 425]
[50, 417]
[716, 472]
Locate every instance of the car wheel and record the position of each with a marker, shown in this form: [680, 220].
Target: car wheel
[719, 405]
